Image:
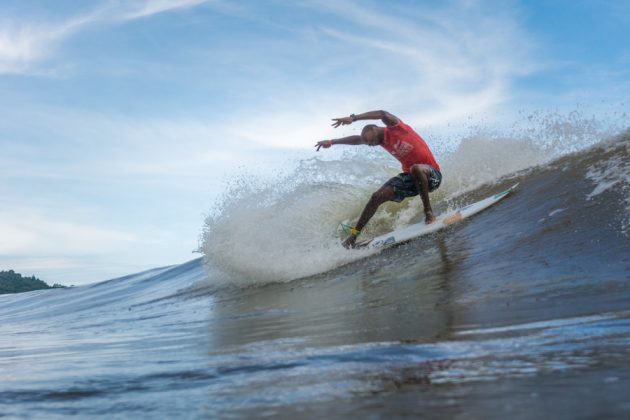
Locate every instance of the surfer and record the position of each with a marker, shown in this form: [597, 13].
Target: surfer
[420, 172]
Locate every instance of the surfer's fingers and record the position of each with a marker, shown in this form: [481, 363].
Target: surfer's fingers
[337, 122]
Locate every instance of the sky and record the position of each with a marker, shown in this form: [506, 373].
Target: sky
[122, 121]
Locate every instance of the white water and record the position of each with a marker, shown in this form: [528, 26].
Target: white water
[287, 228]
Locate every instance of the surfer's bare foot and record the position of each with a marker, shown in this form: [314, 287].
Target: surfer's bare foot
[349, 242]
[429, 217]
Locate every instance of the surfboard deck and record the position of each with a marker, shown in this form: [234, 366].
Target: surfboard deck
[442, 221]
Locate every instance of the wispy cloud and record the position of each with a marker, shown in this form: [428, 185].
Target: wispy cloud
[29, 231]
[454, 62]
[429, 64]
[24, 43]
[82, 244]
[142, 9]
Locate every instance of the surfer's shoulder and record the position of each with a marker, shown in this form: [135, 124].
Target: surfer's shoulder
[389, 119]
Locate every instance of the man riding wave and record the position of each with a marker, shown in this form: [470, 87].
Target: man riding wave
[420, 171]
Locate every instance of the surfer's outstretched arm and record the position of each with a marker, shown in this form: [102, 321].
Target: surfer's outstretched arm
[351, 140]
[387, 118]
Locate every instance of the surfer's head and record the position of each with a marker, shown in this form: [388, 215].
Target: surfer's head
[370, 135]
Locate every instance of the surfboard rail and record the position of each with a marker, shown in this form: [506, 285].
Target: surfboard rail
[446, 219]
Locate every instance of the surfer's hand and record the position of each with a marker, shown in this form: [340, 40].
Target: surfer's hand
[324, 143]
[341, 121]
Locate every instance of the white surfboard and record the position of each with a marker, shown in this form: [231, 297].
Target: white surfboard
[420, 229]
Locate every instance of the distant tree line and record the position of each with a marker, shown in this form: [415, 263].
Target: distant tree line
[12, 282]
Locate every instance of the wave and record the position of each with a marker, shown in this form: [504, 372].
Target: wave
[287, 228]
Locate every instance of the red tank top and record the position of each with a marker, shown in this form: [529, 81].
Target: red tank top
[407, 146]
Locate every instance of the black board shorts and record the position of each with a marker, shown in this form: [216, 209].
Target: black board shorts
[404, 187]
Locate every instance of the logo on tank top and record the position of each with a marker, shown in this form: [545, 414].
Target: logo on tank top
[402, 148]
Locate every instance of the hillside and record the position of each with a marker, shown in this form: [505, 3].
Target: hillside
[12, 282]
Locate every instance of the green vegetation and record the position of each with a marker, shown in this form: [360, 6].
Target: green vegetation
[12, 282]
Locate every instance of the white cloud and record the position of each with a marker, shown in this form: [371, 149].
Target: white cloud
[77, 245]
[30, 232]
[92, 145]
[449, 64]
[294, 124]
[14, 239]
[428, 65]
[142, 9]
[24, 43]
[31, 265]
[73, 270]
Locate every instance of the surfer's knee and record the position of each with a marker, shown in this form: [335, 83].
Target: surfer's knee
[419, 170]
[377, 197]
[382, 195]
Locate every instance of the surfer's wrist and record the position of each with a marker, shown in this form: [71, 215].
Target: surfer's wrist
[330, 142]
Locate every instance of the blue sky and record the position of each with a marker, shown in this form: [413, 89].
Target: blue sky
[122, 121]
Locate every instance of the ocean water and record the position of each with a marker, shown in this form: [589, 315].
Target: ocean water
[521, 311]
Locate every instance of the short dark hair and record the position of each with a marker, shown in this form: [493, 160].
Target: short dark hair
[366, 128]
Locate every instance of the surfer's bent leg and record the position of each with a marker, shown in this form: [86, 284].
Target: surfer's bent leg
[420, 174]
[385, 193]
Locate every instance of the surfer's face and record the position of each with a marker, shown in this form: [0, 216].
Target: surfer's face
[369, 135]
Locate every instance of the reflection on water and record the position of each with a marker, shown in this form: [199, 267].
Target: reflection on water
[392, 296]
